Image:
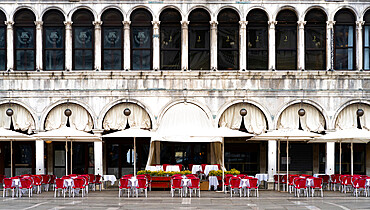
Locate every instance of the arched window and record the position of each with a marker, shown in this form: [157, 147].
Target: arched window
[344, 38]
[367, 41]
[53, 40]
[83, 40]
[24, 40]
[112, 40]
[286, 40]
[199, 55]
[257, 40]
[315, 40]
[2, 41]
[141, 36]
[228, 40]
[170, 39]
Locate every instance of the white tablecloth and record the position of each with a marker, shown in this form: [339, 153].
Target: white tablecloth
[262, 177]
[244, 183]
[185, 182]
[212, 182]
[110, 178]
[16, 182]
[68, 182]
[172, 168]
[196, 168]
[209, 168]
[151, 168]
[133, 182]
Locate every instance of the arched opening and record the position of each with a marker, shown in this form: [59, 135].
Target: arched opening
[366, 44]
[2, 41]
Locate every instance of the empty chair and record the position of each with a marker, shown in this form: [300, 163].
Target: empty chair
[176, 185]
[8, 185]
[335, 181]
[358, 186]
[325, 180]
[291, 182]
[195, 185]
[26, 184]
[149, 179]
[346, 182]
[124, 185]
[235, 186]
[97, 181]
[59, 186]
[45, 181]
[317, 185]
[91, 181]
[52, 181]
[300, 184]
[78, 184]
[253, 184]
[227, 181]
[37, 183]
[142, 184]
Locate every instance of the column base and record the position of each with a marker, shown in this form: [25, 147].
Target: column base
[270, 185]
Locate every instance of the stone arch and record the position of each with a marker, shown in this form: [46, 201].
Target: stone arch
[352, 9]
[199, 7]
[111, 7]
[140, 7]
[53, 8]
[171, 7]
[70, 13]
[268, 14]
[315, 7]
[229, 7]
[343, 106]
[288, 7]
[24, 105]
[25, 7]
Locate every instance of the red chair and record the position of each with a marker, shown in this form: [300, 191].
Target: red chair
[37, 183]
[149, 179]
[195, 185]
[359, 184]
[283, 181]
[335, 181]
[142, 184]
[241, 176]
[91, 181]
[176, 185]
[124, 185]
[142, 176]
[66, 177]
[291, 182]
[45, 181]
[97, 181]
[52, 181]
[86, 178]
[27, 185]
[191, 167]
[203, 167]
[235, 185]
[300, 184]
[190, 176]
[325, 180]
[346, 182]
[227, 181]
[317, 185]
[73, 175]
[59, 186]
[253, 184]
[8, 185]
[176, 175]
[165, 166]
[128, 176]
[180, 166]
[78, 183]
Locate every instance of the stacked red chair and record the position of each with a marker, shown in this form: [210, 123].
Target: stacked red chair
[195, 185]
[149, 179]
[86, 178]
[176, 185]
[78, 184]
[235, 186]
[45, 181]
[325, 180]
[346, 182]
[26, 184]
[300, 184]
[8, 185]
[97, 181]
[52, 181]
[142, 184]
[37, 183]
[59, 186]
[253, 185]
[317, 185]
[358, 186]
[91, 181]
[124, 185]
[335, 181]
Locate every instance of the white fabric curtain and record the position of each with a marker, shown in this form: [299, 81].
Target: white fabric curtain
[311, 121]
[22, 118]
[116, 120]
[80, 118]
[154, 153]
[254, 121]
[347, 118]
[216, 153]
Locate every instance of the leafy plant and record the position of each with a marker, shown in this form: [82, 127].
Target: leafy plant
[219, 172]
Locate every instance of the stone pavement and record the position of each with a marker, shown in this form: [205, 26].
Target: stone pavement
[109, 200]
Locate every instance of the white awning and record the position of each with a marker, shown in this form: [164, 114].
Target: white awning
[67, 133]
[9, 135]
[286, 134]
[131, 132]
[353, 135]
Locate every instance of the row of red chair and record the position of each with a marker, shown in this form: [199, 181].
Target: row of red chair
[176, 184]
[125, 184]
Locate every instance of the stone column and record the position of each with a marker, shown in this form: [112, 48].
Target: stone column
[243, 45]
[184, 45]
[39, 45]
[98, 153]
[359, 45]
[40, 168]
[156, 48]
[126, 45]
[301, 54]
[213, 52]
[330, 45]
[97, 46]
[272, 55]
[9, 45]
[271, 170]
[68, 47]
[330, 158]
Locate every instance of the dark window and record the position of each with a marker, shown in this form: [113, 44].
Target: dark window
[170, 39]
[257, 40]
[366, 32]
[53, 40]
[228, 40]
[141, 40]
[112, 40]
[344, 40]
[2, 41]
[199, 55]
[286, 40]
[24, 40]
[83, 40]
[315, 40]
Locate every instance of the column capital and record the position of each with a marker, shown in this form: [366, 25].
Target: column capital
[38, 25]
[156, 23]
[184, 24]
[126, 24]
[213, 24]
[9, 24]
[272, 24]
[68, 25]
[301, 24]
[243, 24]
[359, 24]
[98, 132]
[97, 24]
[330, 24]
